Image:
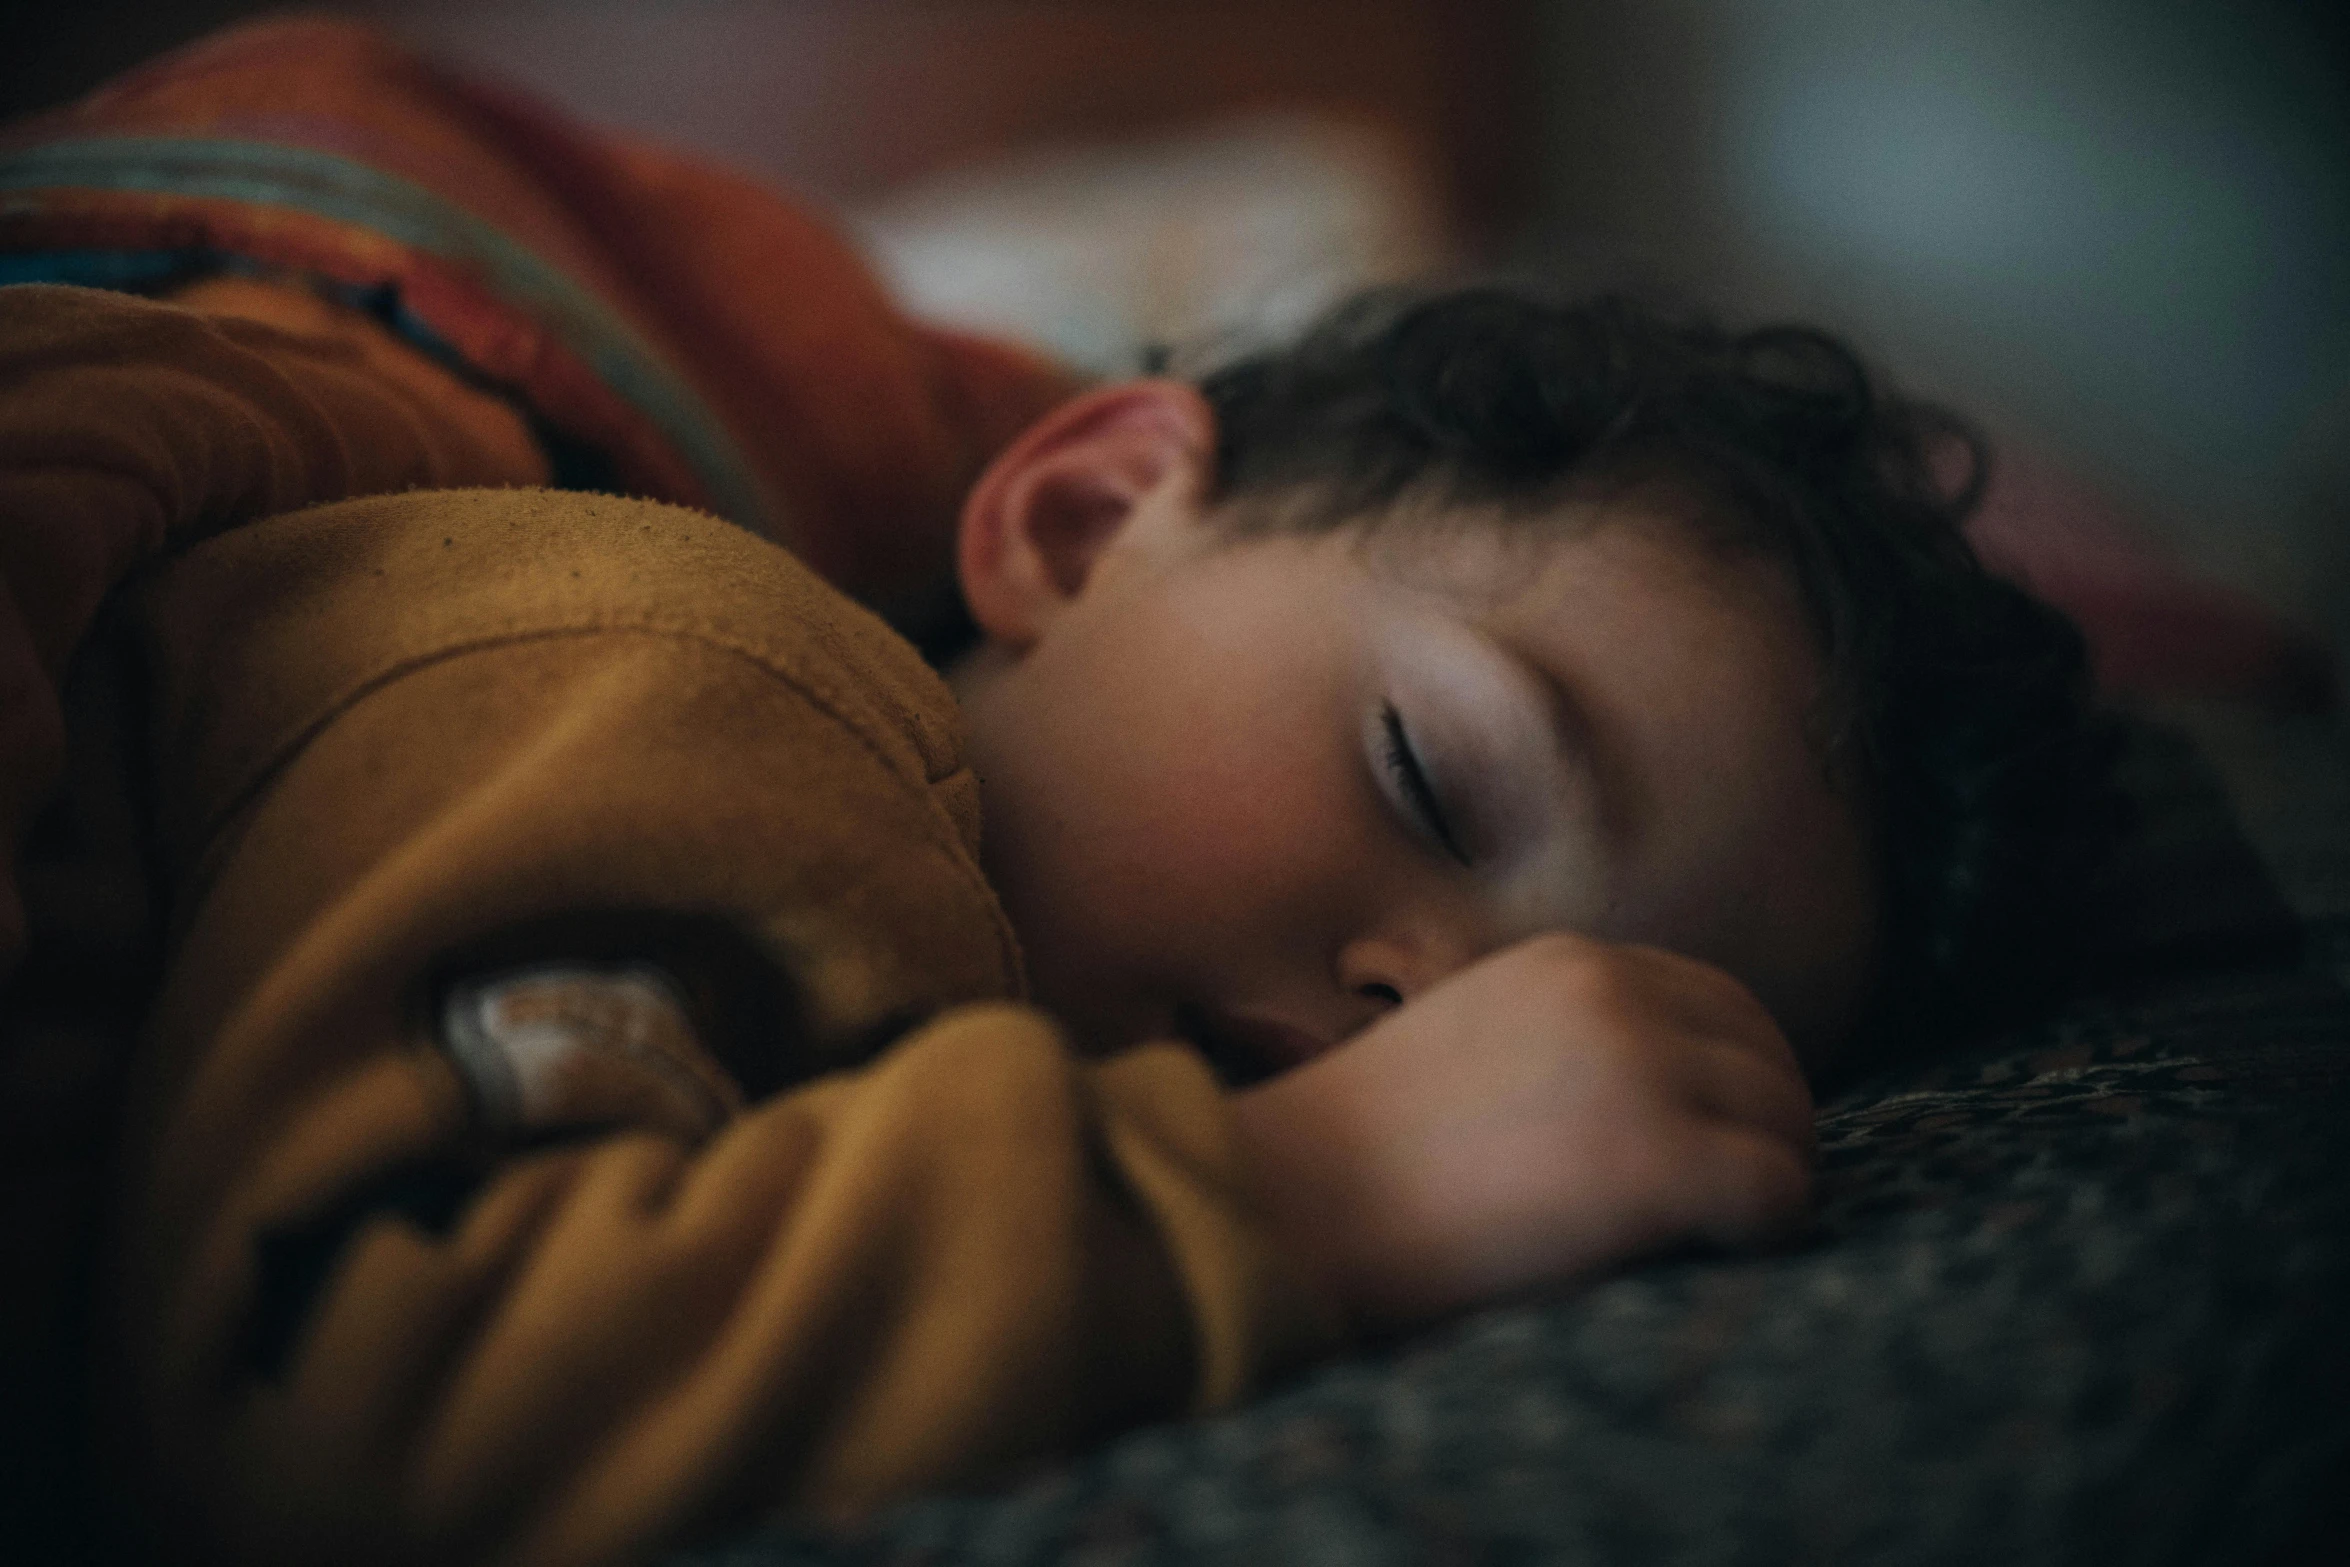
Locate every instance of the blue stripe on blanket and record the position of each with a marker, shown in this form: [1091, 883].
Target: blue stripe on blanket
[130, 270]
[325, 185]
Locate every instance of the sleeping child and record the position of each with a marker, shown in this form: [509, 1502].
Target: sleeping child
[628, 1048]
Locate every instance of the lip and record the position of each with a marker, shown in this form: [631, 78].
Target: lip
[1243, 1048]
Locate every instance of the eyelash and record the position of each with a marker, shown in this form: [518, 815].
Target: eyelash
[1403, 765]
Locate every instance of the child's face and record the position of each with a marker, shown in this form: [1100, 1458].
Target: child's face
[1202, 769]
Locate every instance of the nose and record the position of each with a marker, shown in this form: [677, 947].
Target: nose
[1389, 970]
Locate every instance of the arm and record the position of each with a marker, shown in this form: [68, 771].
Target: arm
[349, 1303]
[127, 425]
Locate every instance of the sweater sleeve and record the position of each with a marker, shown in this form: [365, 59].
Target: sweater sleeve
[628, 1328]
[976, 1251]
[126, 423]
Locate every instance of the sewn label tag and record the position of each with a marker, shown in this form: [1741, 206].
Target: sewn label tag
[561, 1047]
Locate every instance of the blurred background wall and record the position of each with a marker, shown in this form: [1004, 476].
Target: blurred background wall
[2116, 230]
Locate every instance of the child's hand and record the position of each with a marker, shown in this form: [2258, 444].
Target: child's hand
[1550, 1110]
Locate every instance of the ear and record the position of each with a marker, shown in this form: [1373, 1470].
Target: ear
[1039, 518]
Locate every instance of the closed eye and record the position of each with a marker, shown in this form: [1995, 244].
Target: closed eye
[1411, 781]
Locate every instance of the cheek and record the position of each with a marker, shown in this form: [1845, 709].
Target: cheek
[1228, 813]
[1775, 887]
[1189, 810]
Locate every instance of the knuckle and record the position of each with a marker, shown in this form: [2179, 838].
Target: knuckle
[1731, 995]
[1577, 971]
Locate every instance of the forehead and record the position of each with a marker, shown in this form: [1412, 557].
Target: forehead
[1639, 582]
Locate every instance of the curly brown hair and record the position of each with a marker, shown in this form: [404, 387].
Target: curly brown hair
[1955, 706]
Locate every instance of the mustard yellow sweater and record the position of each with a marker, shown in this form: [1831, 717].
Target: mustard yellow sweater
[586, 1102]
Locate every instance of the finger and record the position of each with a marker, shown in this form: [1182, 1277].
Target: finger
[1707, 999]
[1725, 1078]
[1606, 979]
